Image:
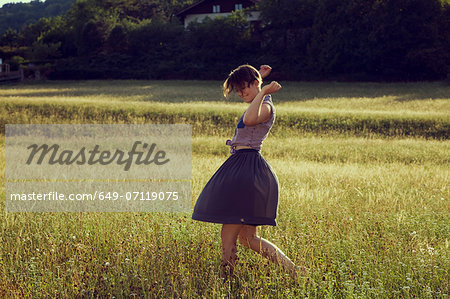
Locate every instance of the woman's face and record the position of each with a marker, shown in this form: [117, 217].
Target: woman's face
[249, 92]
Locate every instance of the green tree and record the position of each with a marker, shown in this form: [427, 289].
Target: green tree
[10, 38]
[117, 40]
[405, 39]
[45, 51]
[214, 45]
[92, 39]
[286, 29]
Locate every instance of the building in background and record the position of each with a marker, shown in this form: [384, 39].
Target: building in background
[216, 8]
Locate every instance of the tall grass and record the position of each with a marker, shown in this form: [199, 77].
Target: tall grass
[369, 217]
[220, 116]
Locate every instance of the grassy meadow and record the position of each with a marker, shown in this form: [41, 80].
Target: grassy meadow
[364, 198]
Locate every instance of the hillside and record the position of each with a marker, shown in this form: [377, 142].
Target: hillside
[15, 15]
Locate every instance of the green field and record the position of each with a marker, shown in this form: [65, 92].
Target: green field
[364, 198]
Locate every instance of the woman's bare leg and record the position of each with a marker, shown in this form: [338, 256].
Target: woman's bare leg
[249, 238]
[229, 237]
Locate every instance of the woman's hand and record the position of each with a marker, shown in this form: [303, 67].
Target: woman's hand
[265, 70]
[273, 87]
[258, 111]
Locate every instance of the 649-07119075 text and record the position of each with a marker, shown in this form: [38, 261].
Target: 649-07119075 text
[136, 195]
[97, 195]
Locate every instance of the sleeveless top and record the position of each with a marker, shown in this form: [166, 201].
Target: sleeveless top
[252, 136]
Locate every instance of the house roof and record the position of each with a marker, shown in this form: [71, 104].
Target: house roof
[186, 10]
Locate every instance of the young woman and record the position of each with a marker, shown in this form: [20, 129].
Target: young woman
[243, 193]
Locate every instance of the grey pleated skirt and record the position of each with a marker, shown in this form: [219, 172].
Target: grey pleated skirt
[244, 190]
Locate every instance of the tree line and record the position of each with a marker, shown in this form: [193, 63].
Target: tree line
[303, 39]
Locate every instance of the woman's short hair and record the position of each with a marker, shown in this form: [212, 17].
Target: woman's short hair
[240, 77]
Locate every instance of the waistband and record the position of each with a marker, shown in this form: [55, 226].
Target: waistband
[246, 150]
[233, 150]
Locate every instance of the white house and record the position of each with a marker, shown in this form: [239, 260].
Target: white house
[215, 8]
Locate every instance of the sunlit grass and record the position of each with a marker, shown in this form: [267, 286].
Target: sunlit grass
[419, 97]
[126, 90]
[369, 217]
[373, 228]
[208, 118]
